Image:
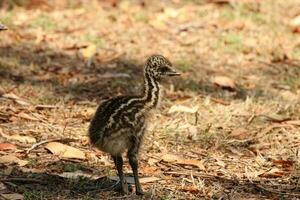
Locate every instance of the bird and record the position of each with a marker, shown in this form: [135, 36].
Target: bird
[2, 27]
[119, 123]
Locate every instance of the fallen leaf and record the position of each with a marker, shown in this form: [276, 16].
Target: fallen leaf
[65, 151]
[13, 196]
[191, 162]
[7, 146]
[130, 180]
[26, 116]
[170, 158]
[89, 51]
[151, 170]
[19, 138]
[11, 159]
[284, 163]
[276, 118]
[220, 101]
[191, 189]
[224, 82]
[181, 108]
[273, 173]
[16, 99]
[293, 122]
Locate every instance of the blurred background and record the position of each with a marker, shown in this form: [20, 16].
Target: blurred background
[227, 128]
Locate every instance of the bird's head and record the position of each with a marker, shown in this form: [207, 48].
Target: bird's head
[158, 66]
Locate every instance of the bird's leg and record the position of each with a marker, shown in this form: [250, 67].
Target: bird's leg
[132, 156]
[118, 160]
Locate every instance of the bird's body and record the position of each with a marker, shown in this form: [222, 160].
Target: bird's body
[119, 119]
[119, 123]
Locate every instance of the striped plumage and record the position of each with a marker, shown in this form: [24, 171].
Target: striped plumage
[119, 123]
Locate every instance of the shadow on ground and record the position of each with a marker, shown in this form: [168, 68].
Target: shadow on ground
[67, 74]
[43, 185]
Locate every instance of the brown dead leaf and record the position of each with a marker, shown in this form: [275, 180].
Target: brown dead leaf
[24, 115]
[224, 82]
[191, 189]
[89, 51]
[191, 162]
[273, 173]
[171, 158]
[16, 99]
[65, 151]
[284, 163]
[220, 101]
[19, 138]
[150, 170]
[11, 159]
[12, 196]
[7, 146]
[276, 118]
[293, 122]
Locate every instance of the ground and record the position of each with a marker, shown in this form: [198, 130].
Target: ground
[228, 128]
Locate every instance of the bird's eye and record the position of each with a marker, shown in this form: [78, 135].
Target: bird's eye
[164, 69]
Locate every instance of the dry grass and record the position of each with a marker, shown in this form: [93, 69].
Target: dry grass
[246, 138]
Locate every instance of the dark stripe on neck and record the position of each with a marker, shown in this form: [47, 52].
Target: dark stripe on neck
[151, 93]
[148, 100]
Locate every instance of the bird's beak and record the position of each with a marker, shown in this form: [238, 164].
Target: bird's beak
[172, 72]
[3, 28]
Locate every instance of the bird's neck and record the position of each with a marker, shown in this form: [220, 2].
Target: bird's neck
[151, 91]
